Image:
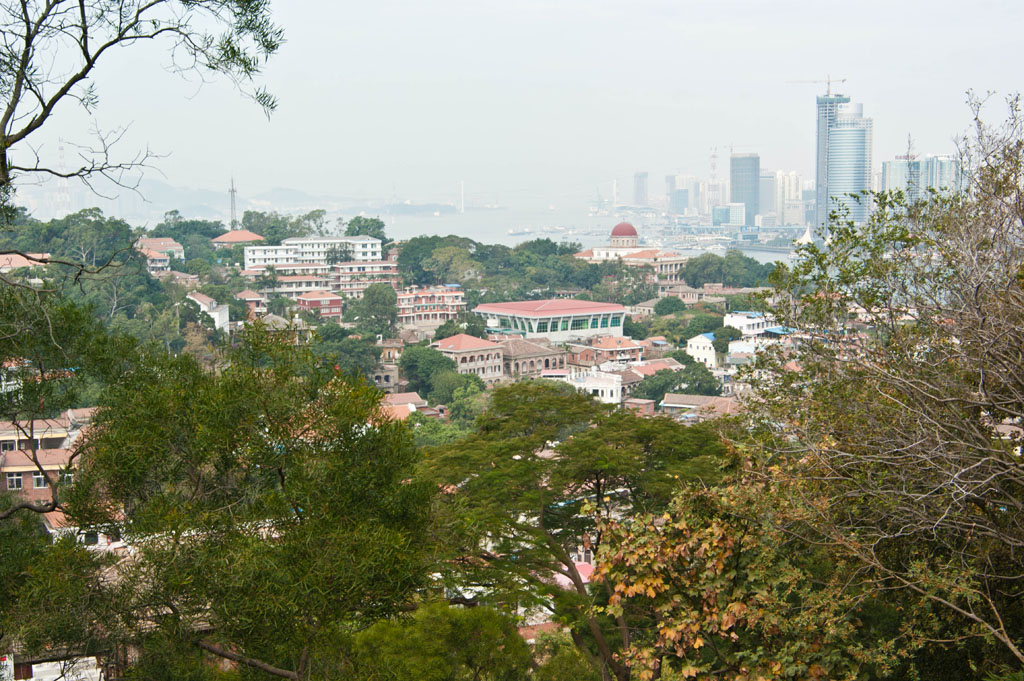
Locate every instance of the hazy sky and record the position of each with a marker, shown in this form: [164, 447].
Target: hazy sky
[531, 100]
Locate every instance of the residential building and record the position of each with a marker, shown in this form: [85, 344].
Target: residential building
[313, 249]
[605, 387]
[390, 349]
[220, 314]
[701, 348]
[14, 261]
[749, 323]
[167, 246]
[649, 367]
[699, 407]
[559, 320]
[236, 237]
[605, 349]
[745, 184]
[256, 303]
[639, 406]
[473, 355]
[156, 262]
[294, 285]
[351, 279]
[430, 307]
[527, 359]
[917, 176]
[52, 441]
[329, 305]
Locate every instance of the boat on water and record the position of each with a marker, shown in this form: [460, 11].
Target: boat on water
[519, 231]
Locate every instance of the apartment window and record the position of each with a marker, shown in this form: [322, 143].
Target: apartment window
[604, 322]
[67, 477]
[14, 481]
[616, 321]
[579, 323]
[542, 327]
[565, 325]
[7, 446]
[38, 480]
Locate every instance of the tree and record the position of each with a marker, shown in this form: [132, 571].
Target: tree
[542, 450]
[337, 348]
[732, 597]
[902, 421]
[467, 323]
[52, 50]
[363, 226]
[419, 364]
[269, 508]
[669, 305]
[723, 336]
[444, 385]
[694, 379]
[338, 253]
[376, 313]
[442, 643]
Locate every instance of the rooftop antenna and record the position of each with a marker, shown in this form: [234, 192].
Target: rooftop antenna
[233, 192]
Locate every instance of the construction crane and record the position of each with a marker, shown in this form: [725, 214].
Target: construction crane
[828, 83]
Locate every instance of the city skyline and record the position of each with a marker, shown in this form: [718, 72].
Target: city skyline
[544, 103]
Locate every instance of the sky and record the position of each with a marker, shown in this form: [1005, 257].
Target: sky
[547, 101]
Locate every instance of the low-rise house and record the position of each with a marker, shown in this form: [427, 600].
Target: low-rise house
[329, 305]
[702, 349]
[699, 407]
[51, 440]
[603, 386]
[156, 262]
[606, 349]
[528, 359]
[237, 237]
[390, 349]
[412, 398]
[473, 355]
[165, 245]
[386, 377]
[294, 285]
[401, 406]
[218, 313]
[639, 406]
[655, 347]
[16, 261]
[644, 309]
[256, 303]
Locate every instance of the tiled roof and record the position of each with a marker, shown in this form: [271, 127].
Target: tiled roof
[462, 341]
[655, 365]
[517, 347]
[405, 398]
[237, 236]
[717, 406]
[320, 295]
[248, 294]
[15, 260]
[201, 298]
[545, 308]
[589, 253]
[613, 343]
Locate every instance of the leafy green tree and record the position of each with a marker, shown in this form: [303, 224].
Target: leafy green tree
[364, 226]
[347, 354]
[444, 384]
[431, 432]
[274, 227]
[540, 451]
[280, 306]
[419, 364]
[442, 643]
[376, 313]
[669, 305]
[338, 253]
[467, 323]
[723, 336]
[269, 508]
[694, 379]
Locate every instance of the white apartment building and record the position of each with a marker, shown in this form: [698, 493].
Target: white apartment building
[749, 323]
[312, 249]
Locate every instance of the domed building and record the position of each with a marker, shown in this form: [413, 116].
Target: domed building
[624, 246]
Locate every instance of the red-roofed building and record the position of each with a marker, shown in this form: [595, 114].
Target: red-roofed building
[560, 320]
[429, 307]
[328, 304]
[623, 246]
[236, 237]
[473, 355]
[13, 261]
[606, 349]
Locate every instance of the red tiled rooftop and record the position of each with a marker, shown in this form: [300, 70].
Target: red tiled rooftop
[320, 295]
[552, 307]
[237, 236]
[624, 229]
[463, 341]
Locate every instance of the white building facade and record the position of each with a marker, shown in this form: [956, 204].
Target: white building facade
[312, 249]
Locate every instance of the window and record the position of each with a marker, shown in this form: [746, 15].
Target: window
[542, 327]
[593, 322]
[616, 321]
[579, 323]
[7, 446]
[604, 322]
[90, 538]
[14, 481]
[565, 325]
[67, 477]
[38, 480]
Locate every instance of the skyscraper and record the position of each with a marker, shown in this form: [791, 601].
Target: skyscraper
[915, 176]
[768, 196]
[828, 106]
[745, 184]
[670, 186]
[850, 142]
[640, 189]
